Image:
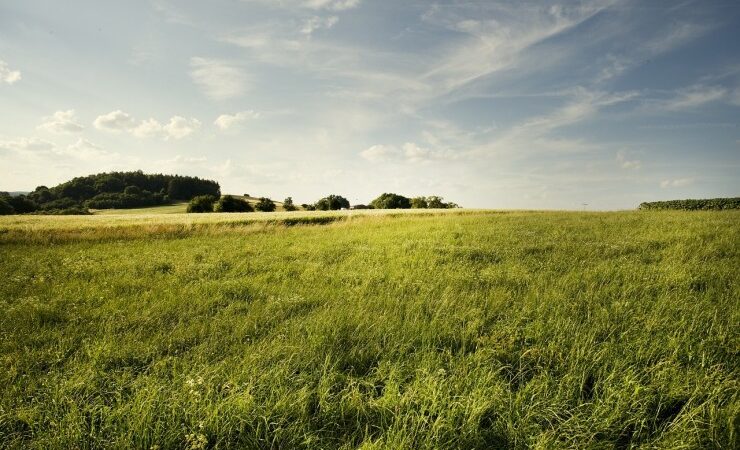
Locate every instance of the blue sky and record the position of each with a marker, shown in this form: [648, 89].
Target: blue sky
[498, 104]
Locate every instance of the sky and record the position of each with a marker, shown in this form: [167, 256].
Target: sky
[517, 104]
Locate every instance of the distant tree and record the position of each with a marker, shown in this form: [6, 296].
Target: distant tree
[391, 201]
[435, 202]
[132, 190]
[20, 203]
[246, 195]
[361, 206]
[109, 183]
[265, 205]
[230, 203]
[332, 202]
[41, 195]
[5, 207]
[201, 204]
[419, 203]
[308, 207]
[288, 204]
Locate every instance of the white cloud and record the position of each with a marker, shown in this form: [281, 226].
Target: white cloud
[317, 23]
[677, 182]
[84, 149]
[180, 127]
[36, 149]
[226, 121]
[7, 75]
[150, 128]
[30, 145]
[180, 159]
[334, 5]
[218, 79]
[378, 153]
[177, 128]
[114, 121]
[61, 122]
[633, 164]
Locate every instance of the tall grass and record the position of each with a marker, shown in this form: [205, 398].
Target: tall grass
[518, 330]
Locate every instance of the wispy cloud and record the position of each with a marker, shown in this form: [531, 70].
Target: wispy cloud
[318, 23]
[676, 182]
[7, 75]
[226, 121]
[218, 79]
[626, 163]
[409, 152]
[694, 96]
[61, 122]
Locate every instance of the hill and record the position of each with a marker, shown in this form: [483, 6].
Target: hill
[414, 329]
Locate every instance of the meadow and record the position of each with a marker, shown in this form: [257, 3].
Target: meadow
[418, 330]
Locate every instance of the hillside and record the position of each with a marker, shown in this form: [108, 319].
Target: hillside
[464, 329]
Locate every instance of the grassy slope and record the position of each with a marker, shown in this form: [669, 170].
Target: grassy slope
[176, 208]
[415, 331]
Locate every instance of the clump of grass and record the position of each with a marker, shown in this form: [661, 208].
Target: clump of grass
[474, 330]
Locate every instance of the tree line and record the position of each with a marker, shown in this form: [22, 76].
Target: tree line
[695, 204]
[230, 203]
[117, 190]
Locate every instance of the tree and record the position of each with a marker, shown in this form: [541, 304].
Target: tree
[132, 190]
[201, 204]
[436, 202]
[332, 202]
[288, 204]
[5, 207]
[391, 201]
[419, 203]
[308, 207]
[230, 203]
[265, 205]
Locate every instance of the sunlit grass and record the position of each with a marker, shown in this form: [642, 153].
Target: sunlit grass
[418, 330]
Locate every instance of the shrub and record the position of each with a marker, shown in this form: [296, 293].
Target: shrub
[201, 204]
[229, 203]
[332, 202]
[308, 207]
[391, 201]
[288, 204]
[265, 205]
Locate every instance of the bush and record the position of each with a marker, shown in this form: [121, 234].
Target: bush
[265, 205]
[391, 201]
[361, 207]
[5, 207]
[20, 203]
[332, 202]
[201, 204]
[288, 204]
[694, 205]
[308, 207]
[229, 203]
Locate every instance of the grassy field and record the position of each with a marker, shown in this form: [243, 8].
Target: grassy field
[464, 329]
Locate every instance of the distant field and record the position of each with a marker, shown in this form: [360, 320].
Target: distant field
[427, 329]
[177, 208]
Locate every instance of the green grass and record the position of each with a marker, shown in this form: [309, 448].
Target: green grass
[436, 330]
